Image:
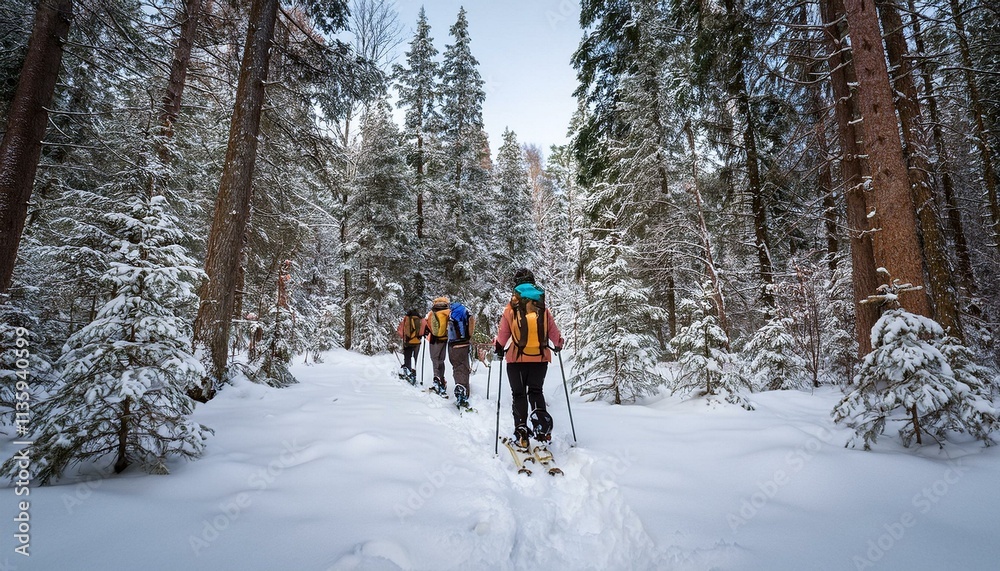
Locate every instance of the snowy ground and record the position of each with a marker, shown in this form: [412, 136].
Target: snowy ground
[353, 469]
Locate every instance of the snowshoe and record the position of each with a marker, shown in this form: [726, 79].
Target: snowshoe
[439, 387]
[462, 398]
[541, 424]
[521, 436]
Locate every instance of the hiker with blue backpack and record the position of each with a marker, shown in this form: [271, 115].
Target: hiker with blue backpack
[460, 327]
[449, 331]
[529, 327]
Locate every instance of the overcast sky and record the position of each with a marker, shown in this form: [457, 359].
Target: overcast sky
[524, 49]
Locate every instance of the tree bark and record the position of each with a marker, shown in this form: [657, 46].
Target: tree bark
[27, 119]
[863, 275]
[188, 16]
[896, 244]
[232, 207]
[939, 274]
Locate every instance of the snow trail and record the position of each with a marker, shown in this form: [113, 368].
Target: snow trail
[579, 520]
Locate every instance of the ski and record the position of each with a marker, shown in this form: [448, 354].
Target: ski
[543, 456]
[520, 455]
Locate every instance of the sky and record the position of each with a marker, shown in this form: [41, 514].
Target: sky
[353, 469]
[524, 49]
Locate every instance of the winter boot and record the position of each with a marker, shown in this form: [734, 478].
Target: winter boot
[461, 397]
[413, 377]
[521, 435]
[440, 387]
[541, 424]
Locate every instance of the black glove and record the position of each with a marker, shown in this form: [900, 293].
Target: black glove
[557, 348]
[498, 349]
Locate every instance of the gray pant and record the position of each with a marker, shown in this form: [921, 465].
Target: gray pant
[437, 351]
[459, 358]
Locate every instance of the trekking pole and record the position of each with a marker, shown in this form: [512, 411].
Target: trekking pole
[496, 440]
[423, 361]
[566, 390]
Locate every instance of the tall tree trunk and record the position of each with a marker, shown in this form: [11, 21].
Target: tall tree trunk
[979, 123]
[420, 187]
[863, 270]
[188, 16]
[966, 275]
[896, 243]
[232, 207]
[27, 119]
[939, 274]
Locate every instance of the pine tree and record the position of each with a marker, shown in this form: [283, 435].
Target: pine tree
[617, 355]
[909, 377]
[706, 367]
[126, 373]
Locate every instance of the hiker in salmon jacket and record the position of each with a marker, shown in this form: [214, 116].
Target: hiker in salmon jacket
[530, 328]
[410, 330]
[437, 337]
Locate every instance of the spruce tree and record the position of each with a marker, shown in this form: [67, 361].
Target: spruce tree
[617, 354]
[418, 86]
[514, 229]
[460, 251]
[125, 374]
[384, 240]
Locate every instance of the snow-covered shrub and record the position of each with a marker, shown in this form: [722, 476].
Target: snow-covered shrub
[706, 366]
[771, 362]
[918, 377]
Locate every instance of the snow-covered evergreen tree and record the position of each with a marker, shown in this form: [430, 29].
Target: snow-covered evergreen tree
[706, 366]
[514, 230]
[125, 374]
[771, 362]
[918, 377]
[384, 240]
[618, 353]
[459, 248]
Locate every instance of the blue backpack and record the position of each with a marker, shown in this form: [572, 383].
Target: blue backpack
[458, 324]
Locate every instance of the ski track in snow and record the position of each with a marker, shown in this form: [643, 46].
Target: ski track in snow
[576, 521]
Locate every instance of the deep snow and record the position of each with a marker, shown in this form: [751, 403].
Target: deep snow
[354, 469]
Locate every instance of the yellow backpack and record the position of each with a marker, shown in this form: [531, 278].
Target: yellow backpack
[439, 322]
[528, 327]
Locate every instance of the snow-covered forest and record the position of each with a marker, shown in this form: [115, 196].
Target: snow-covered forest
[755, 197]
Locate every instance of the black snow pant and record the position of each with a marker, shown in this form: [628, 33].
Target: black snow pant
[410, 356]
[526, 381]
